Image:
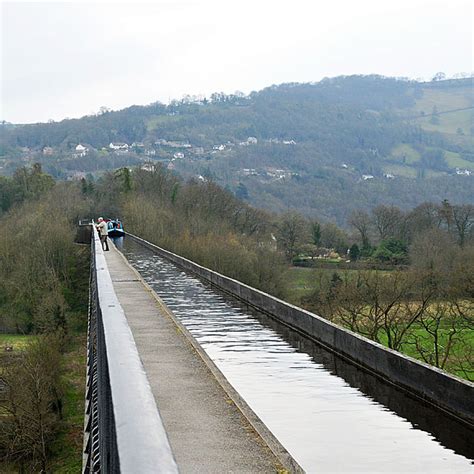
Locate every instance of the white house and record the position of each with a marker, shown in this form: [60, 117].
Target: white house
[47, 150]
[463, 172]
[389, 176]
[178, 155]
[365, 177]
[252, 141]
[148, 167]
[118, 146]
[249, 172]
[81, 151]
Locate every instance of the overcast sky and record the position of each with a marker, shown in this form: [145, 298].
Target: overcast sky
[67, 59]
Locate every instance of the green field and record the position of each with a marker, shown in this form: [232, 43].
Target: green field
[17, 341]
[408, 157]
[400, 170]
[300, 283]
[454, 160]
[303, 281]
[445, 100]
[409, 349]
[406, 154]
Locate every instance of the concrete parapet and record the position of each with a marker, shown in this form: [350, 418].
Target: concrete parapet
[449, 393]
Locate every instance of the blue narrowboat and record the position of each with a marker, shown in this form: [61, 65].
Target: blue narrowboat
[115, 228]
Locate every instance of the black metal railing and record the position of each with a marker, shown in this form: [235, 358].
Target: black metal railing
[123, 431]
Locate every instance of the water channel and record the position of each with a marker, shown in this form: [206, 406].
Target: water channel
[330, 415]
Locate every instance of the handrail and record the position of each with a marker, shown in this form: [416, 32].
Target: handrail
[124, 432]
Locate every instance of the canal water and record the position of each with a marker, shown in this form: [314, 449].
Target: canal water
[330, 415]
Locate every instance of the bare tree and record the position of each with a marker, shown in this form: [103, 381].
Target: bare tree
[422, 218]
[291, 233]
[33, 404]
[445, 212]
[388, 220]
[463, 218]
[360, 220]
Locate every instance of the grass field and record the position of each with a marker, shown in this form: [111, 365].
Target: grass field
[454, 160]
[302, 282]
[446, 100]
[406, 153]
[400, 170]
[17, 341]
[449, 123]
[408, 157]
[410, 350]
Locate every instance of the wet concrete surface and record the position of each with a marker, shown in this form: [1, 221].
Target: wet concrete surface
[330, 415]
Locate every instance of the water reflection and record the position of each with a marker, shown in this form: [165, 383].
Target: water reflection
[330, 415]
[118, 241]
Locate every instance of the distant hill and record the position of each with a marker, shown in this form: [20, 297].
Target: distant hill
[323, 148]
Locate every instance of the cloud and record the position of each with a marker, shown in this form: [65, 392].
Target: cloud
[69, 58]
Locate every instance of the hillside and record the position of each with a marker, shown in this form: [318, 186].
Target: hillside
[324, 148]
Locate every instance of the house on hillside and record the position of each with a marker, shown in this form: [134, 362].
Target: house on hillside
[249, 172]
[252, 141]
[148, 167]
[366, 177]
[389, 176]
[178, 155]
[81, 151]
[464, 172]
[119, 146]
[48, 151]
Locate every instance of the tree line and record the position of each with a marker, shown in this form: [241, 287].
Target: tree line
[423, 306]
[44, 296]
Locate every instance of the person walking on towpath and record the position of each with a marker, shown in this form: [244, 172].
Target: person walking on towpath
[102, 229]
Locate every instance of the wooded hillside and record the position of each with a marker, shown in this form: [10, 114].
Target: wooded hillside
[324, 148]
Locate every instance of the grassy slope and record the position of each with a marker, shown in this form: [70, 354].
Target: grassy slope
[456, 98]
[454, 160]
[17, 341]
